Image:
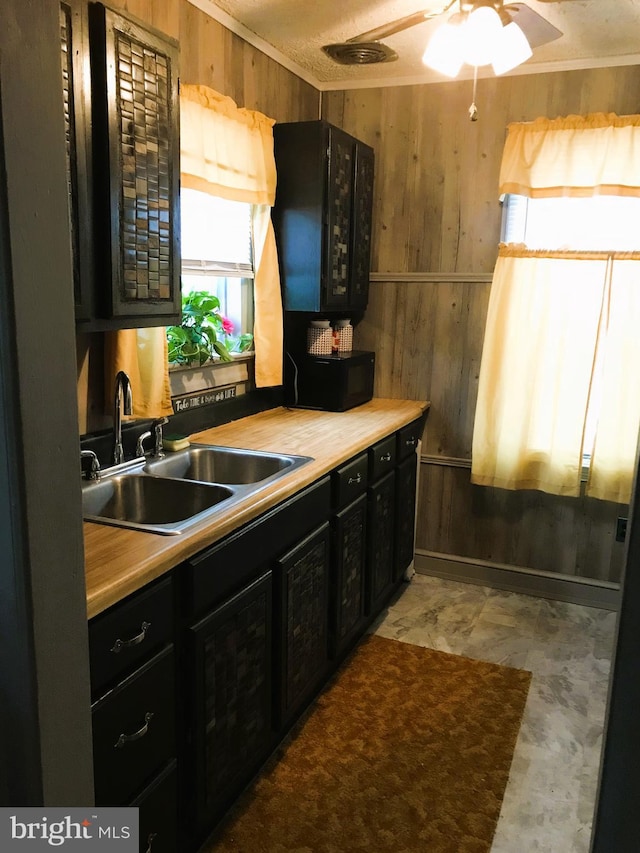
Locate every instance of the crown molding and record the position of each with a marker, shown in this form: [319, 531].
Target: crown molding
[526, 69]
[210, 9]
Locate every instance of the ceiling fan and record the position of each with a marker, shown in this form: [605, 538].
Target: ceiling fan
[366, 48]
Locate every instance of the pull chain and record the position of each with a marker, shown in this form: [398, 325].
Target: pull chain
[473, 110]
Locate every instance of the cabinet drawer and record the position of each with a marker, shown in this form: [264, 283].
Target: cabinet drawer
[128, 634]
[158, 805]
[350, 481]
[408, 438]
[134, 731]
[382, 457]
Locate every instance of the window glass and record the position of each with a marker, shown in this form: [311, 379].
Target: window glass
[598, 223]
[216, 246]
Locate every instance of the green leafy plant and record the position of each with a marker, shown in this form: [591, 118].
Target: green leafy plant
[203, 332]
[243, 343]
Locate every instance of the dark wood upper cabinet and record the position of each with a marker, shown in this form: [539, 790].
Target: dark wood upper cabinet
[73, 42]
[134, 84]
[322, 217]
[120, 82]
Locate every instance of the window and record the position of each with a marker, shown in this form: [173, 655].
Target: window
[556, 381]
[596, 224]
[593, 224]
[227, 152]
[217, 257]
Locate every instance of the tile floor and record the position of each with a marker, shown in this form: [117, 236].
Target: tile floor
[548, 804]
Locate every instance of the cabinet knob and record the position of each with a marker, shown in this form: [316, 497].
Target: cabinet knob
[136, 735]
[119, 645]
[356, 479]
[386, 457]
[410, 442]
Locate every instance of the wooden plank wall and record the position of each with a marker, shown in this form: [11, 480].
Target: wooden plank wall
[436, 231]
[210, 55]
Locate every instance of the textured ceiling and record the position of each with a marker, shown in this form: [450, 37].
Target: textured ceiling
[595, 33]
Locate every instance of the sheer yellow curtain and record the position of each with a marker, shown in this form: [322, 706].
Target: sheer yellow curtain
[561, 336]
[142, 354]
[572, 156]
[614, 450]
[228, 152]
[530, 416]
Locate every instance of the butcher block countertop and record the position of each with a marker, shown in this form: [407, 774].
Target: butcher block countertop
[119, 561]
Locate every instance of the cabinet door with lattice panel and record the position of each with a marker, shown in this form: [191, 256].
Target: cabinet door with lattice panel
[302, 577]
[135, 133]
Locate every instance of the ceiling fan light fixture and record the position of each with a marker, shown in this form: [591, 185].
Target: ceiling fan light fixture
[444, 51]
[514, 49]
[482, 34]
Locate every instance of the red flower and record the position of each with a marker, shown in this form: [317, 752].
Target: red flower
[227, 326]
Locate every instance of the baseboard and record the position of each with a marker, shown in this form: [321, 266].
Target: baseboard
[592, 593]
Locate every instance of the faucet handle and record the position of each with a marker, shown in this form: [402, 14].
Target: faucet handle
[140, 443]
[94, 470]
[156, 426]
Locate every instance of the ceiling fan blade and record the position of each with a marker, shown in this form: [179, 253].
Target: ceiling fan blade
[401, 24]
[536, 28]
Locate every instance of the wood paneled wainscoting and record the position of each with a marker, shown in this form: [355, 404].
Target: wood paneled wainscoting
[427, 330]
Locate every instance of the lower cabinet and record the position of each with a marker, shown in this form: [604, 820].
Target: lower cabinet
[254, 617]
[405, 512]
[197, 677]
[230, 654]
[346, 610]
[381, 542]
[134, 709]
[302, 577]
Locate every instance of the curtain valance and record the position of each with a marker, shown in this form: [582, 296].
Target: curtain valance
[225, 150]
[573, 156]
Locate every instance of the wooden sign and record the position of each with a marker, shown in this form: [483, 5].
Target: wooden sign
[203, 398]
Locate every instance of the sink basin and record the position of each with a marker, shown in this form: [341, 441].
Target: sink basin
[180, 490]
[149, 503]
[209, 463]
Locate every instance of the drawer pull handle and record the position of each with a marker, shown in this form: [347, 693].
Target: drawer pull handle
[119, 645]
[410, 442]
[150, 839]
[356, 479]
[386, 457]
[136, 735]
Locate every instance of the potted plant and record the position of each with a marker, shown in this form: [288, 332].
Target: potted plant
[203, 333]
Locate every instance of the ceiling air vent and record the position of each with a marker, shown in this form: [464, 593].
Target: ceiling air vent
[360, 53]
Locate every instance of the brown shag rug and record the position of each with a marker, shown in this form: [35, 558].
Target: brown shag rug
[407, 750]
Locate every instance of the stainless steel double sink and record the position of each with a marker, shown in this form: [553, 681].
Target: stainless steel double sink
[180, 490]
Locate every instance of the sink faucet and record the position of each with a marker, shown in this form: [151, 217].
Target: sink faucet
[122, 390]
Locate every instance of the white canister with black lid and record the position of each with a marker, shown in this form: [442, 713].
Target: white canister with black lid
[345, 334]
[319, 337]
